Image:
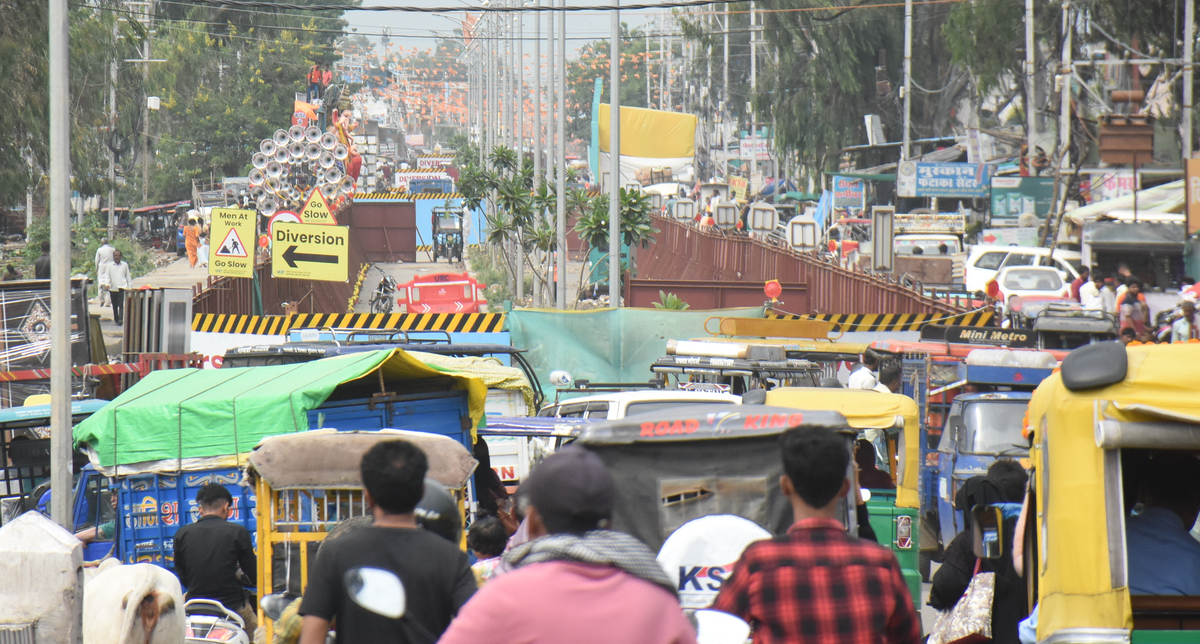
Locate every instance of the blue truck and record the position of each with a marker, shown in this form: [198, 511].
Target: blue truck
[140, 504]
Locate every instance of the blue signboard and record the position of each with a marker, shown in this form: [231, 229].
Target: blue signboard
[847, 192]
[946, 180]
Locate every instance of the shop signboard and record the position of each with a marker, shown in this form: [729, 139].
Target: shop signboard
[847, 192]
[943, 180]
[1015, 196]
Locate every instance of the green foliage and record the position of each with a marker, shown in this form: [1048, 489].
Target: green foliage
[85, 239]
[636, 228]
[637, 61]
[670, 302]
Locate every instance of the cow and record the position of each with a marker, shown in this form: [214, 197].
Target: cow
[133, 604]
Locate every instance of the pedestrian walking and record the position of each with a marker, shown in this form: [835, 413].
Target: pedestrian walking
[191, 239]
[575, 581]
[818, 584]
[104, 257]
[118, 280]
[436, 576]
[202, 251]
[41, 265]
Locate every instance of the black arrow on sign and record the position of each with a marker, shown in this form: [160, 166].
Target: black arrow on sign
[291, 257]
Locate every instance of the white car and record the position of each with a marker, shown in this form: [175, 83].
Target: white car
[1032, 283]
[986, 260]
[612, 406]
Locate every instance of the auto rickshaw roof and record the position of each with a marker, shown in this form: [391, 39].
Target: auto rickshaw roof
[812, 350]
[867, 409]
[534, 426]
[38, 415]
[327, 458]
[862, 408]
[709, 422]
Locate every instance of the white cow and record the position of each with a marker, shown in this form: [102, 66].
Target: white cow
[134, 604]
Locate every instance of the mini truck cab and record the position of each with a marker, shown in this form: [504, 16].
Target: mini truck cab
[698, 485]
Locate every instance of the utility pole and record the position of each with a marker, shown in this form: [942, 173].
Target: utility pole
[663, 103]
[112, 127]
[905, 150]
[520, 95]
[1189, 38]
[614, 160]
[537, 95]
[146, 104]
[753, 111]
[60, 265]
[726, 111]
[551, 144]
[647, 59]
[560, 159]
[1064, 117]
[1030, 84]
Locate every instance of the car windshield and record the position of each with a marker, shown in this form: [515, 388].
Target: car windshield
[1033, 279]
[994, 427]
[658, 405]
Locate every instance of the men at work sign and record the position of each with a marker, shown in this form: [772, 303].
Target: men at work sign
[228, 253]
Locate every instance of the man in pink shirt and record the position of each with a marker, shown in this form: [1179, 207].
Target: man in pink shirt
[575, 581]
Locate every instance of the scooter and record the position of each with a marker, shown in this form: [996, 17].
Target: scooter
[210, 621]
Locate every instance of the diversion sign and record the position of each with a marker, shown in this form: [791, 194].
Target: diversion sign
[310, 251]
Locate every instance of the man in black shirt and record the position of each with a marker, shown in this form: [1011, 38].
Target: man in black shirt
[436, 576]
[209, 552]
[41, 265]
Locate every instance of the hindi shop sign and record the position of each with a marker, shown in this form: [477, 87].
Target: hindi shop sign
[945, 180]
[847, 192]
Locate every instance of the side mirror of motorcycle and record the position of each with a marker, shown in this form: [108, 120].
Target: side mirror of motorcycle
[377, 590]
[715, 627]
[274, 605]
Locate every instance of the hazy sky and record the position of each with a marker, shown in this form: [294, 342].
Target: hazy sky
[420, 29]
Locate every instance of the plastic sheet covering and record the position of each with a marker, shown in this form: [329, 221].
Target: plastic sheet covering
[25, 344]
[180, 419]
[651, 133]
[606, 345]
[490, 370]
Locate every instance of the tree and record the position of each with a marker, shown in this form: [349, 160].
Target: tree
[593, 63]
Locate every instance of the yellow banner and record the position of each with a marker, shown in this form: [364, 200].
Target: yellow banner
[651, 134]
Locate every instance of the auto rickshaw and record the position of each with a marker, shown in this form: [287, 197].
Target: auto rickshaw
[891, 424]
[697, 485]
[447, 234]
[1090, 426]
[307, 483]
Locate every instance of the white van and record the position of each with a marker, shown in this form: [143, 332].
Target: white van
[612, 406]
[986, 260]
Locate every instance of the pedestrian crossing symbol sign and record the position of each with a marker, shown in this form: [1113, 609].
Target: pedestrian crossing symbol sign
[232, 245]
[228, 254]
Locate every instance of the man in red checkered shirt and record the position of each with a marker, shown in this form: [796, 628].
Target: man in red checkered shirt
[817, 584]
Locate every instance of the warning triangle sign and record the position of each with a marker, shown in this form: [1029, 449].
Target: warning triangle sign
[316, 210]
[232, 245]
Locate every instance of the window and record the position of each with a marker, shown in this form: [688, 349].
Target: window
[658, 405]
[991, 261]
[993, 427]
[572, 411]
[597, 410]
[1032, 279]
[1018, 259]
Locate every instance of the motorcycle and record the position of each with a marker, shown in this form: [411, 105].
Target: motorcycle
[381, 300]
[210, 621]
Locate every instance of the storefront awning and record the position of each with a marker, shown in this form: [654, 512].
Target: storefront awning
[1147, 236]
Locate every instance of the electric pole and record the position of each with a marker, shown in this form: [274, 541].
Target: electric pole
[614, 160]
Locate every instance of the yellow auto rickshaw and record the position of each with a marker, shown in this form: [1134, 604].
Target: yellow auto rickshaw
[891, 423]
[1092, 427]
[307, 483]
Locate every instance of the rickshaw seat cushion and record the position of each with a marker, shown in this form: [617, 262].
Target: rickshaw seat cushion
[1095, 365]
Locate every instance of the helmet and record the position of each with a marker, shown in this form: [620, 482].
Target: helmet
[438, 512]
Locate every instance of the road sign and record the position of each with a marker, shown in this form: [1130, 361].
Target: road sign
[316, 210]
[282, 217]
[310, 251]
[227, 252]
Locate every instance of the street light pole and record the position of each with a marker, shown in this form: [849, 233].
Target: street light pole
[614, 160]
[60, 265]
[1030, 88]
[905, 151]
[1189, 37]
[537, 95]
[560, 158]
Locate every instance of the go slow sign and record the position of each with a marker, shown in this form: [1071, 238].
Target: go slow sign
[310, 251]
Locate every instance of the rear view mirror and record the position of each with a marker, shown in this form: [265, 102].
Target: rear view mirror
[989, 531]
[274, 605]
[1095, 365]
[956, 427]
[377, 590]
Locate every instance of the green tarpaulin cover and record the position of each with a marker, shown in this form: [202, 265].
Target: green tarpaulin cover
[605, 345]
[198, 415]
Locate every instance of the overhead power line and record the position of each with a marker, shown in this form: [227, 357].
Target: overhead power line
[670, 4]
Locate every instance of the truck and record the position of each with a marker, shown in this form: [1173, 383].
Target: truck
[929, 248]
[151, 448]
[972, 399]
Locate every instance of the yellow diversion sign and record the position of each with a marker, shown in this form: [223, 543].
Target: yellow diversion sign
[310, 251]
[228, 252]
